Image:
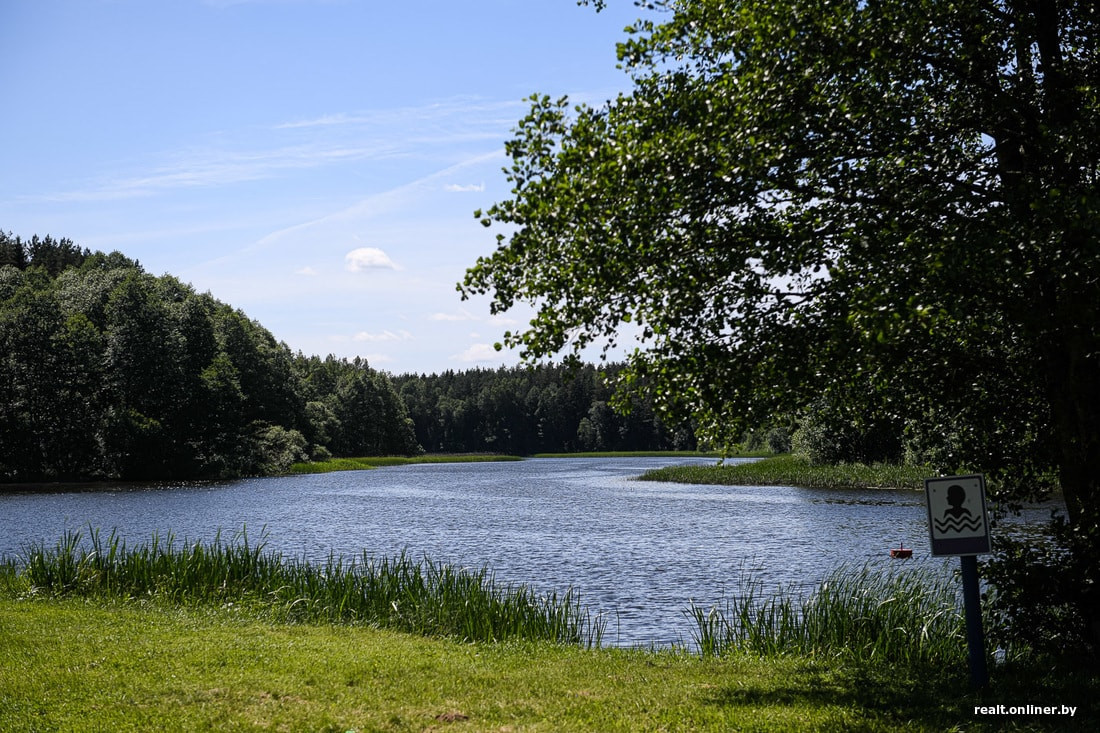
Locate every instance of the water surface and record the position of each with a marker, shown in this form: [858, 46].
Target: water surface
[637, 551]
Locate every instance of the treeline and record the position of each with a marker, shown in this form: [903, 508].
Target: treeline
[526, 410]
[109, 372]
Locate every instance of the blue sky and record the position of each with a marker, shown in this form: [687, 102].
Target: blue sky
[315, 163]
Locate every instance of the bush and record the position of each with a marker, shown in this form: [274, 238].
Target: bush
[1043, 597]
[779, 440]
[831, 433]
[276, 449]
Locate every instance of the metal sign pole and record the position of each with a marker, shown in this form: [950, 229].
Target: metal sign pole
[958, 525]
[975, 637]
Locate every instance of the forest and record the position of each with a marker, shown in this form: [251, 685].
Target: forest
[109, 372]
[521, 410]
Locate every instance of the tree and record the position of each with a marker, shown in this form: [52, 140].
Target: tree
[11, 251]
[887, 201]
[369, 417]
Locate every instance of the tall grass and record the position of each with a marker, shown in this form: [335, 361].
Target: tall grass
[791, 470]
[422, 597]
[904, 616]
[636, 454]
[369, 462]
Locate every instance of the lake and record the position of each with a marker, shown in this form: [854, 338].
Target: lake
[636, 551]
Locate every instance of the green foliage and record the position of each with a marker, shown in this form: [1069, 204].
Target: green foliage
[52, 255]
[276, 449]
[109, 372]
[831, 433]
[544, 408]
[779, 439]
[890, 205]
[886, 208]
[1044, 592]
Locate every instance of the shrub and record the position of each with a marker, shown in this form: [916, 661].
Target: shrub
[830, 432]
[276, 449]
[1044, 593]
[779, 440]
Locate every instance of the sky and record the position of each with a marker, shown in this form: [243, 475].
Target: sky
[314, 163]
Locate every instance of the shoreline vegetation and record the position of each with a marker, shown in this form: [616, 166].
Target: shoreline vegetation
[643, 454]
[230, 636]
[367, 463]
[796, 470]
[371, 462]
[767, 470]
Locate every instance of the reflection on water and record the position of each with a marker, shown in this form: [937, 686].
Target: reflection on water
[638, 551]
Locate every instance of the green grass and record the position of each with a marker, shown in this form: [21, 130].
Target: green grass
[95, 636]
[366, 463]
[899, 616]
[633, 454]
[78, 665]
[418, 597]
[790, 470]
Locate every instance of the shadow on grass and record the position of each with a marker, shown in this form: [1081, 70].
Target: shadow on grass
[927, 699]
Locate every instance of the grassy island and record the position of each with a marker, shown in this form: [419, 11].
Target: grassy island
[793, 470]
[369, 462]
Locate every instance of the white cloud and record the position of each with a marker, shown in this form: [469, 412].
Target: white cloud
[323, 121]
[214, 167]
[307, 271]
[479, 353]
[384, 336]
[465, 315]
[341, 224]
[368, 258]
[470, 187]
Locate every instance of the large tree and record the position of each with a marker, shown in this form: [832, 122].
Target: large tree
[889, 204]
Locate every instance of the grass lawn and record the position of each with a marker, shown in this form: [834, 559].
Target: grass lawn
[85, 665]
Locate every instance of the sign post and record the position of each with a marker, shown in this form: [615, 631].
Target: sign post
[958, 525]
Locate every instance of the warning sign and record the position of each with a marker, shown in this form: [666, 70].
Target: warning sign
[957, 521]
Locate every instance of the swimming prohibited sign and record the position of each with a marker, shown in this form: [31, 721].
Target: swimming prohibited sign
[957, 520]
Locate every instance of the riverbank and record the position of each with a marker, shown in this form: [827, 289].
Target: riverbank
[635, 454]
[369, 462]
[791, 470]
[98, 665]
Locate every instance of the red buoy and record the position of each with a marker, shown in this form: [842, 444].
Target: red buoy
[901, 552]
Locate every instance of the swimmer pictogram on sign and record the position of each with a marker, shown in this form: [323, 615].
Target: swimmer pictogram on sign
[957, 519]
